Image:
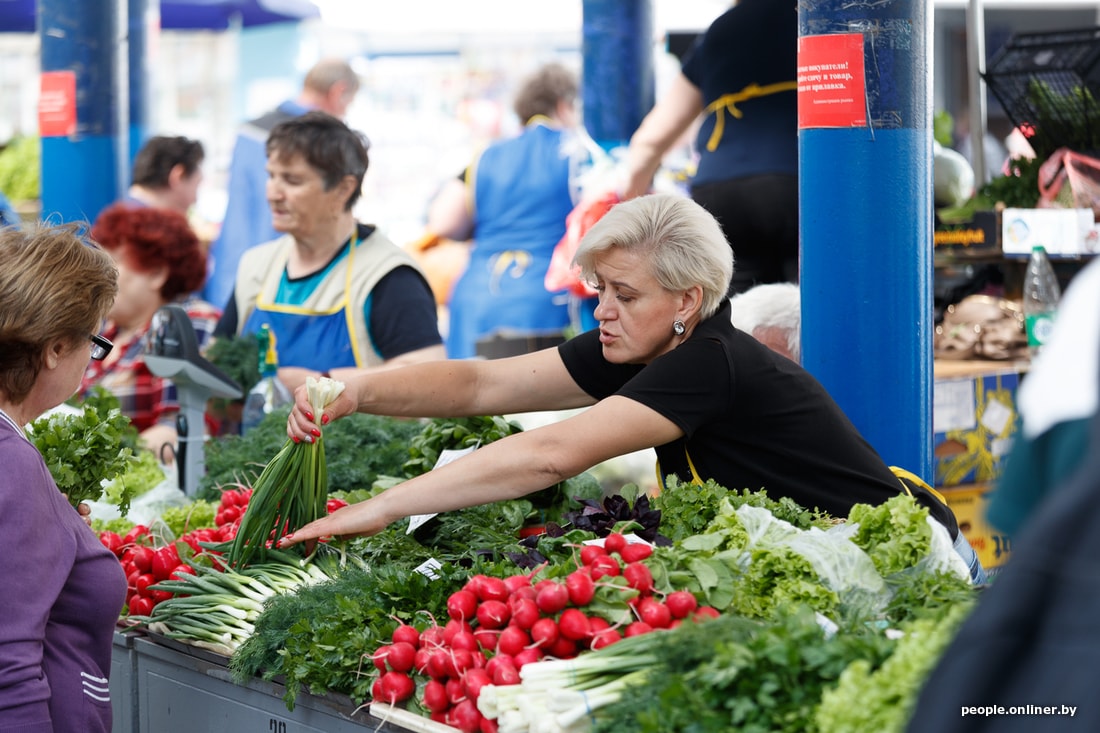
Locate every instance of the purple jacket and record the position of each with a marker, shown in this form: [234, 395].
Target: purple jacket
[61, 592]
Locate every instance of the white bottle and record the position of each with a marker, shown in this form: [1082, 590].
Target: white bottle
[1041, 294]
[269, 393]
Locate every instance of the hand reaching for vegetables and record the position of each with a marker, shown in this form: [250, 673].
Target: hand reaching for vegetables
[355, 520]
[304, 425]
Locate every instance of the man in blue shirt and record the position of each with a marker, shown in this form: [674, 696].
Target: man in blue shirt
[330, 86]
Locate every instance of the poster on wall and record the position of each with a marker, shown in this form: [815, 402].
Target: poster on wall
[57, 104]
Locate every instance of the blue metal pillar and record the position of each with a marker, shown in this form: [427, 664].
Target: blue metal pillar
[617, 81]
[80, 165]
[141, 21]
[865, 147]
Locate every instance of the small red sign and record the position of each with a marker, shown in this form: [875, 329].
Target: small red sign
[831, 88]
[57, 104]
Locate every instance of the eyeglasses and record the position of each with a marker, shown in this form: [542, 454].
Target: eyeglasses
[100, 347]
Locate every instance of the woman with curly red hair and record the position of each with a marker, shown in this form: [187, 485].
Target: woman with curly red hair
[160, 261]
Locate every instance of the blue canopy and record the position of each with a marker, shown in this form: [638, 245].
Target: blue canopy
[19, 16]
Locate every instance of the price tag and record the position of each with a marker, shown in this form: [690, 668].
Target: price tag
[429, 568]
[417, 520]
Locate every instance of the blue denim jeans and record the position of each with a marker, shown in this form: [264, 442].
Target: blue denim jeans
[966, 552]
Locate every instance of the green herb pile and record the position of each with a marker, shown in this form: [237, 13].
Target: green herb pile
[84, 450]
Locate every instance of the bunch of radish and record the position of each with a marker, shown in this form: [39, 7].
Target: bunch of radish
[496, 626]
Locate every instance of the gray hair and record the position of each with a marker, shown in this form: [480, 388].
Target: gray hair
[681, 240]
[770, 305]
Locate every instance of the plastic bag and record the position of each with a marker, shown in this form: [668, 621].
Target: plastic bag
[843, 566]
[147, 507]
[1070, 180]
[562, 274]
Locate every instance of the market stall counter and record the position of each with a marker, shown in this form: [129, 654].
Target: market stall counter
[162, 685]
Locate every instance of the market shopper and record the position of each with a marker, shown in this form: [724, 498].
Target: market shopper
[160, 262]
[336, 293]
[772, 314]
[329, 86]
[740, 76]
[167, 173]
[512, 202]
[63, 590]
[666, 369]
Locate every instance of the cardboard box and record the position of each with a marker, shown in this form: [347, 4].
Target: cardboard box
[969, 503]
[973, 419]
[1063, 232]
[979, 236]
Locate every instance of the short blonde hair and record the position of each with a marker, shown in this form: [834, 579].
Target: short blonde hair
[681, 240]
[54, 285]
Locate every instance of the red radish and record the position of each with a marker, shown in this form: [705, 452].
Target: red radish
[704, 612]
[181, 570]
[462, 660]
[544, 632]
[462, 605]
[614, 542]
[440, 664]
[552, 598]
[493, 589]
[489, 725]
[525, 613]
[401, 656]
[474, 584]
[512, 641]
[396, 687]
[635, 551]
[487, 638]
[590, 553]
[474, 680]
[574, 625]
[142, 583]
[502, 670]
[432, 637]
[408, 633]
[562, 649]
[141, 606]
[456, 691]
[638, 577]
[637, 628]
[142, 558]
[379, 657]
[333, 504]
[681, 603]
[420, 661]
[165, 561]
[580, 587]
[524, 591]
[466, 717]
[453, 627]
[527, 656]
[464, 639]
[604, 637]
[515, 582]
[493, 614]
[435, 696]
[655, 613]
[597, 624]
[605, 565]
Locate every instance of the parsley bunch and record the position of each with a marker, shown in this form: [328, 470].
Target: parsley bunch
[84, 450]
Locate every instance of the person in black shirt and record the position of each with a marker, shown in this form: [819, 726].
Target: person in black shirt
[665, 369]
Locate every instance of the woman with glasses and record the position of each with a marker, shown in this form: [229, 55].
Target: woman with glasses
[160, 262]
[62, 589]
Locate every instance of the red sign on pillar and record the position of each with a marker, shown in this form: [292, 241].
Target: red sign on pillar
[831, 88]
[57, 104]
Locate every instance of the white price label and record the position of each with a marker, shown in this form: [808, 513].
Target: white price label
[417, 520]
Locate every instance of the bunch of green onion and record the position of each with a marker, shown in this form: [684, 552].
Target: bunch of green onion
[290, 492]
[565, 695]
[216, 608]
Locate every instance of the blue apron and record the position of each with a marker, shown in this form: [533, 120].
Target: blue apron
[322, 339]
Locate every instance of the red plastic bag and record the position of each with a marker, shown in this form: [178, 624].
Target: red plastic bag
[1070, 180]
[562, 274]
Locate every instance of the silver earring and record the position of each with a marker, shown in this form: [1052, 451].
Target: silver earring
[678, 327]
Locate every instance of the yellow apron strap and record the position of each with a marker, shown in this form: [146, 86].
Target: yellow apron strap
[730, 101]
[901, 473]
[695, 479]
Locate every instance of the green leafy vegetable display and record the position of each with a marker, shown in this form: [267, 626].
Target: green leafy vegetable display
[896, 533]
[84, 450]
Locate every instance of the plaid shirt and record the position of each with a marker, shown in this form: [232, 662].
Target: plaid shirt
[146, 399]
